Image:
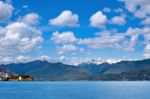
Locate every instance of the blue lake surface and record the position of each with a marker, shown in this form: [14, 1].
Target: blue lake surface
[75, 90]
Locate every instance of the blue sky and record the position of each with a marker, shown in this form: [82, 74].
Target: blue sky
[74, 29]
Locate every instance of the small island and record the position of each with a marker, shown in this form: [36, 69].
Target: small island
[6, 75]
[17, 78]
[20, 78]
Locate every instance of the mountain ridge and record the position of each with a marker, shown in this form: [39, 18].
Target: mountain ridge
[44, 70]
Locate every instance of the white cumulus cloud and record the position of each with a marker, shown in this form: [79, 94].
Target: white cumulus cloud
[65, 19]
[140, 8]
[64, 37]
[104, 40]
[31, 18]
[98, 20]
[146, 21]
[5, 11]
[66, 48]
[19, 37]
[147, 51]
[120, 20]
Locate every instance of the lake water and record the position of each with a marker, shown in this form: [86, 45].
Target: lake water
[75, 90]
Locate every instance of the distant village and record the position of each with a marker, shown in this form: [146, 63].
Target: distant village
[6, 76]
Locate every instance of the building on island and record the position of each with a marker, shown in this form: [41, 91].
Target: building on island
[21, 78]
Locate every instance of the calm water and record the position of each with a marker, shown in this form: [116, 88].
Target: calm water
[75, 90]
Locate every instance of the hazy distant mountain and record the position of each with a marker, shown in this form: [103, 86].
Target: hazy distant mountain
[125, 66]
[116, 68]
[43, 70]
[95, 68]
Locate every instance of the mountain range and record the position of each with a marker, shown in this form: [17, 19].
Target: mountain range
[44, 70]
